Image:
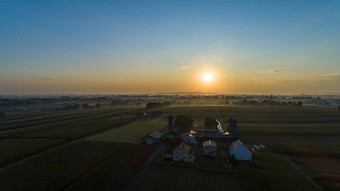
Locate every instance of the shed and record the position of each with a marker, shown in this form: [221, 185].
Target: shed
[209, 148]
[153, 138]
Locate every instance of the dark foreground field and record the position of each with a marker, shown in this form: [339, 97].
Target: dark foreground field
[100, 149]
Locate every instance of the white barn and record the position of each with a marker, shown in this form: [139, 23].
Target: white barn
[209, 148]
[183, 152]
[240, 151]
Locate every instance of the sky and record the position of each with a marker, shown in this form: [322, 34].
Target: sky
[115, 47]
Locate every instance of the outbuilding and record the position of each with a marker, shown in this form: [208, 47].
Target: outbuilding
[153, 138]
[240, 151]
[209, 148]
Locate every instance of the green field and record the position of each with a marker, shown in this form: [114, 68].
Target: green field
[171, 178]
[268, 171]
[86, 163]
[21, 142]
[132, 132]
[93, 164]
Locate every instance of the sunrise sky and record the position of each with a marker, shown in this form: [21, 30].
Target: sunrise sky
[110, 47]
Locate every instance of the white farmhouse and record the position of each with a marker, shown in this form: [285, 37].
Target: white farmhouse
[240, 151]
[209, 148]
[183, 152]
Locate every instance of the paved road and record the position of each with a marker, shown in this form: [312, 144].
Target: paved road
[133, 179]
[304, 174]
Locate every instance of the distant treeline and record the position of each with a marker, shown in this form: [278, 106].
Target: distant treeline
[157, 104]
[119, 102]
[268, 102]
[15, 102]
[70, 107]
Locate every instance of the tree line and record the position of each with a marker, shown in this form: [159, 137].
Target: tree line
[267, 102]
[157, 104]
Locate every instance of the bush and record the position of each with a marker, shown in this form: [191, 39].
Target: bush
[233, 161]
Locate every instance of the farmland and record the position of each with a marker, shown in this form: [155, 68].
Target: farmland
[308, 134]
[31, 139]
[261, 175]
[66, 157]
[100, 149]
[132, 132]
[155, 177]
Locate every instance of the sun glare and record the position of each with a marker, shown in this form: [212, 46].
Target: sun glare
[208, 77]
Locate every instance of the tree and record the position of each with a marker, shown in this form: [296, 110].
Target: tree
[183, 122]
[98, 105]
[85, 106]
[299, 104]
[233, 161]
[210, 122]
[227, 102]
[339, 108]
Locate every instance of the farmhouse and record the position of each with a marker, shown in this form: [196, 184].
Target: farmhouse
[183, 152]
[209, 148]
[153, 138]
[240, 151]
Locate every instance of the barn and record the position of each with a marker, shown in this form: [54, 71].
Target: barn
[240, 151]
[153, 138]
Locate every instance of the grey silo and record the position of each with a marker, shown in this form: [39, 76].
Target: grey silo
[170, 124]
[233, 127]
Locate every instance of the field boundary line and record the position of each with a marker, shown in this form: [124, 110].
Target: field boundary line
[59, 146]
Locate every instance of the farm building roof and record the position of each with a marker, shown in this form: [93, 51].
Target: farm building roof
[185, 147]
[236, 144]
[156, 134]
[209, 143]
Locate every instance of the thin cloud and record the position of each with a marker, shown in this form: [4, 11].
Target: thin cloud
[281, 70]
[184, 67]
[328, 76]
[47, 78]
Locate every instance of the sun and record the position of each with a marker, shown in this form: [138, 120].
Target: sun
[208, 77]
